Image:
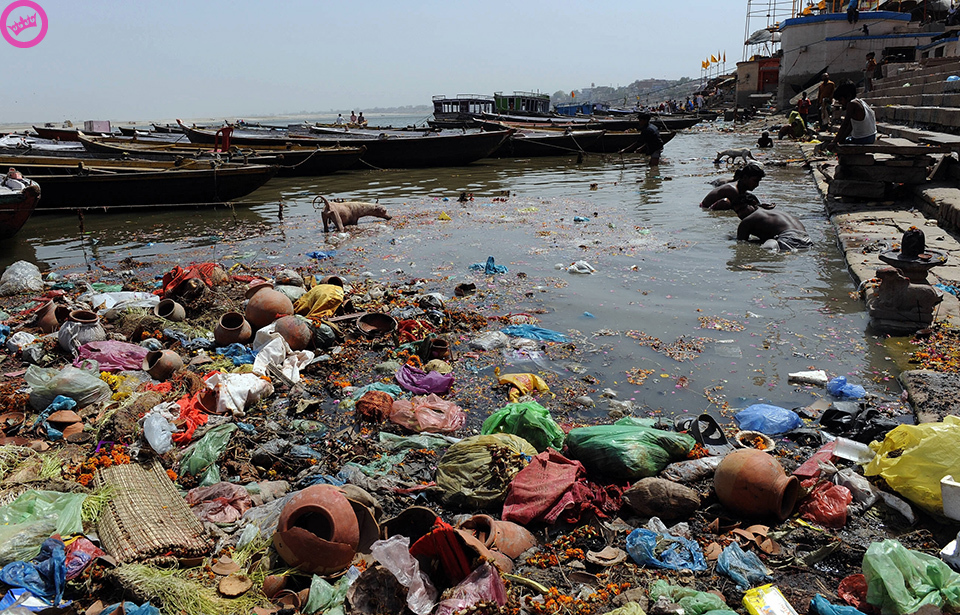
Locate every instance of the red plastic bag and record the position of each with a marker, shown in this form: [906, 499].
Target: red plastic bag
[113, 356]
[827, 505]
[429, 413]
[219, 503]
[853, 591]
[178, 275]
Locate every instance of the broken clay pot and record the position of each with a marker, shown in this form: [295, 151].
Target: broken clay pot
[317, 531]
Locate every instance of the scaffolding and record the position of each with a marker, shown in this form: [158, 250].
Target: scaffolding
[766, 15]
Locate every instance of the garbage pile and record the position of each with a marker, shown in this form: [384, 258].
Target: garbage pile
[284, 442]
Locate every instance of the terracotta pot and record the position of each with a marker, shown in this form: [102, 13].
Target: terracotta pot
[375, 324]
[317, 531]
[208, 401]
[288, 598]
[82, 327]
[504, 536]
[161, 364]
[10, 422]
[265, 305]
[272, 584]
[46, 317]
[171, 310]
[753, 483]
[296, 330]
[232, 329]
[333, 279]
[84, 317]
[414, 522]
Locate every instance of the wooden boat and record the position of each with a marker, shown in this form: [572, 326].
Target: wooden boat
[71, 184]
[662, 122]
[57, 134]
[537, 143]
[292, 160]
[389, 151]
[18, 199]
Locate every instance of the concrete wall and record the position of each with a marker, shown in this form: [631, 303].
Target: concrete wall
[751, 77]
[828, 42]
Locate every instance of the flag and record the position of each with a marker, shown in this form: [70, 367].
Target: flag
[724, 57]
[573, 94]
[705, 65]
[714, 59]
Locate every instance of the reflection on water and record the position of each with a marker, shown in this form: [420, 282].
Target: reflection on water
[665, 269]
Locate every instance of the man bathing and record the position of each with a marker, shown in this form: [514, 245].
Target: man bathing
[777, 230]
[737, 193]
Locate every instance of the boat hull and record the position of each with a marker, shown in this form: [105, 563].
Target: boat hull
[16, 208]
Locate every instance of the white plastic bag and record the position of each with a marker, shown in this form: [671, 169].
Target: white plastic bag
[490, 340]
[20, 277]
[394, 554]
[237, 392]
[158, 428]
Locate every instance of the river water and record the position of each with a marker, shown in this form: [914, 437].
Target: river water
[670, 283]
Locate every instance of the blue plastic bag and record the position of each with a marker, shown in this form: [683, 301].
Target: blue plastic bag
[745, 568]
[489, 268]
[44, 577]
[768, 419]
[839, 388]
[131, 609]
[534, 332]
[676, 552]
[821, 606]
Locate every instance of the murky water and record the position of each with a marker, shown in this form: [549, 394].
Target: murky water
[665, 269]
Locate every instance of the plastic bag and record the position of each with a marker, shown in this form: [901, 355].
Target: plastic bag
[78, 384]
[530, 421]
[219, 503]
[767, 419]
[467, 472]
[649, 548]
[80, 552]
[416, 380]
[522, 384]
[20, 277]
[827, 505]
[860, 488]
[533, 332]
[130, 608]
[489, 340]
[328, 599]
[913, 459]
[157, 428]
[693, 602]
[113, 356]
[45, 576]
[429, 413]
[394, 554]
[393, 442]
[745, 568]
[839, 388]
[900, 581]
[61, 508]
[821, 606]
[237, 392]
[482, 585]
[204, 453]
[627, 450]
[691, 470]
[21, 542]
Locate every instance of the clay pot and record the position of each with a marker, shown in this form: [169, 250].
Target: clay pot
[333, 279]
[207, 399]
[46, 317]
[375, 324]
[171, 310]
[288, 598]
[754, 484]
[265, 305]
[317, 531]
[504, 536]
[161, 364]
[272, 584]
[232, 329]
[296, 330]
[82, 327]
[10, 422]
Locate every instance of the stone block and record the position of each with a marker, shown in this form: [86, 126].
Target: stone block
[863, 160]
[883, 173]
[858, 189]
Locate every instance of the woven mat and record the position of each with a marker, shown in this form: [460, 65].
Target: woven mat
[147, 518]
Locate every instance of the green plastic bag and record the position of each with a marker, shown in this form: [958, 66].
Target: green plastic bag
[21, 542]
[913, 459]
[900, 581]
[200, 455]
[693, 602]
[629, 449]
[476, 471]
[530, 421]
[327, 598]
[63, 509]
[630, 608]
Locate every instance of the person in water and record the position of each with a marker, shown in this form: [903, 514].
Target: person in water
[777, 230]
[765, 141]
[736, 194]
[650, 141]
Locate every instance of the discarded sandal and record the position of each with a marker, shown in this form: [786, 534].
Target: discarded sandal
[707, 432]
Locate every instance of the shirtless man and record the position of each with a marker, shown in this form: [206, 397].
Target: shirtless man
[825, 101]
[737, 192]
[777, 231]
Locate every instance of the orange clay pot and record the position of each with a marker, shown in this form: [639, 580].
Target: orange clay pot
[753, 483]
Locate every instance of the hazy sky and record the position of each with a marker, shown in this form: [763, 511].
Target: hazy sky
[146, 59]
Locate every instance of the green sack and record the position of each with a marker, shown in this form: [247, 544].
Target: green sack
[629, 449]
[693, 602]
[200, 455]
[476, 471]
[530, 421]
[900, 581]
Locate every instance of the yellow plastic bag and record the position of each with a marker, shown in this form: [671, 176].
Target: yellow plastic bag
[321, 301]
[913, 459]
[521, 384]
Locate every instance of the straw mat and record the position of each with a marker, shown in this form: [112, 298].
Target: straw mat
[146, 518]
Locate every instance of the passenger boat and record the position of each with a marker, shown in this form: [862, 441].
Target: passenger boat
[384, 151]
[57, 134]
[291, 160]
[537, 143]
[18, 199]
[71, 184]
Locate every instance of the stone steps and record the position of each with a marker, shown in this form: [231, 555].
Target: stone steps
[947, 117]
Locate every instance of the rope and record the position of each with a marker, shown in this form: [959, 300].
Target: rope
[80, 210]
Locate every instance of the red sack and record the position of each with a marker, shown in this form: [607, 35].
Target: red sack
[551, 487]
[827, 505]
[178, 275]
[192, 415]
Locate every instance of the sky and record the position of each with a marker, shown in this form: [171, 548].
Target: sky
[146, 59]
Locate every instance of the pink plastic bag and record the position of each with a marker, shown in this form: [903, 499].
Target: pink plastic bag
[113, 356]
[827, 505]
[429, 413]
[219, 503]
[483, 584]
[416, 380]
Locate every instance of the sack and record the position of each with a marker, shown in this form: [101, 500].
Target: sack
[768, 419]
[468, 474]
[900, 581]
[78, 384]
[913, 459]
[530, 421]
[628, 449]
[20, 277]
